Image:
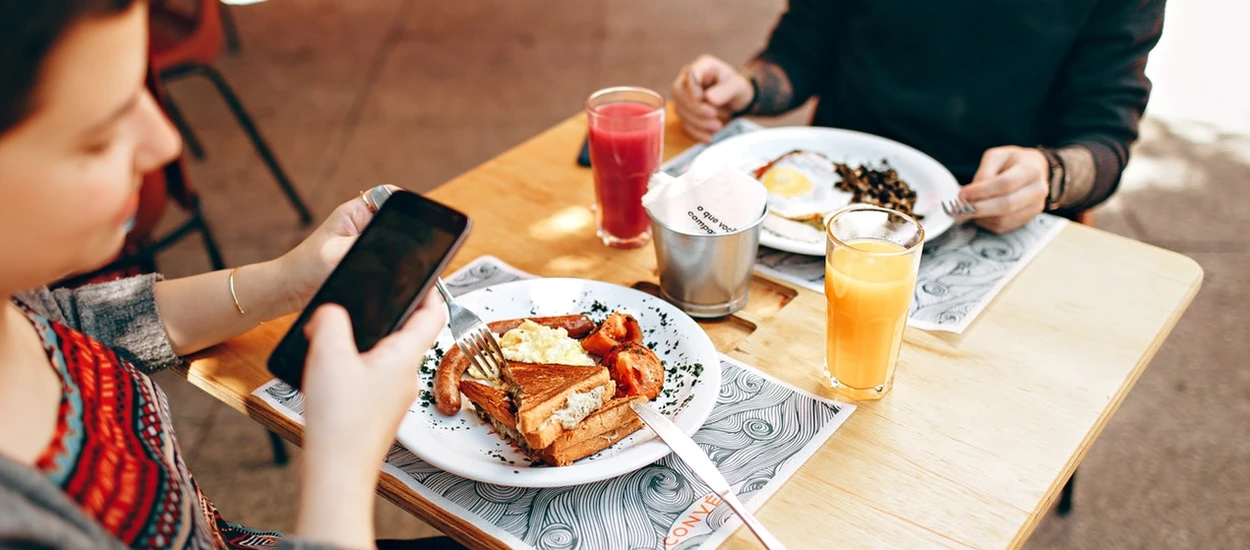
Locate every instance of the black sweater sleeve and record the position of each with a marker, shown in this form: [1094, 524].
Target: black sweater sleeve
[801, 45]
[1103, 88]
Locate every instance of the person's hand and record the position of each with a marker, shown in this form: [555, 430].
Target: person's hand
[355, 402]
[307, 265]
[706, 93]
[1009, 189]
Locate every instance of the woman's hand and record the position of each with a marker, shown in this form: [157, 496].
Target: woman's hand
[355, 402]
[307, 265]
[1009, 189]
[706, 93]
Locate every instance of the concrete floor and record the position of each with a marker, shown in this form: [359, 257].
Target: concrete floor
[351, 94]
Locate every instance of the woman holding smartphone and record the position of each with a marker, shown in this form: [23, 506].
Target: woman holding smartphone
[88, 457]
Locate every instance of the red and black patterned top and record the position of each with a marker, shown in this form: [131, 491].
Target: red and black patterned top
[114, 452]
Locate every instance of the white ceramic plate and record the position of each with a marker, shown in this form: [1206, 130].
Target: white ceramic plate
[466, 446]
[931, 181]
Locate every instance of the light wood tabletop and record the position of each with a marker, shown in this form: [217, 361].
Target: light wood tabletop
[969, 449]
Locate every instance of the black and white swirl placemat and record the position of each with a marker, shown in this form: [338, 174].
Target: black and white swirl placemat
[759, 433]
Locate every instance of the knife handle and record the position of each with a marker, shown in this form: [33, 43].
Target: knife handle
[767, 539]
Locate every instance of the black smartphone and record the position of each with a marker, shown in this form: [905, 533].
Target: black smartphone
[583, 158]
[383, 276]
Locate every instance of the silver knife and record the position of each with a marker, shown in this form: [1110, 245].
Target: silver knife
[693, 456]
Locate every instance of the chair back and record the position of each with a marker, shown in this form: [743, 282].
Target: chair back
[183, 32]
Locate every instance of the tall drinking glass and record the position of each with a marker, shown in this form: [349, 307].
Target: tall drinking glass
[626, 127]
[872, 258]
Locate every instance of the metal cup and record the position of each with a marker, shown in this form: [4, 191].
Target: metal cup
[706, 275]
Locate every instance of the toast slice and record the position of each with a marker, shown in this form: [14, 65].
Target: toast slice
[552, 399]
[494, 406]
[601, 430]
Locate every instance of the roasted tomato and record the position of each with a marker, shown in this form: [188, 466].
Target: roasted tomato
[617, 329]
[635, 369]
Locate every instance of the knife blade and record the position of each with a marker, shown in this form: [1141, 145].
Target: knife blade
[704, 468]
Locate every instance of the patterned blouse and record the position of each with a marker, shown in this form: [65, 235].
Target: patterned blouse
[114, 452]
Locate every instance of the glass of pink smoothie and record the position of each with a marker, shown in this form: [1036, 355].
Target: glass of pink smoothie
[626, 127]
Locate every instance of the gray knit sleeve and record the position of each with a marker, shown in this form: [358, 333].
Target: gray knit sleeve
[120, 314]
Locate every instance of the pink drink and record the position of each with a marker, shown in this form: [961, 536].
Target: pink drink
[626, 137]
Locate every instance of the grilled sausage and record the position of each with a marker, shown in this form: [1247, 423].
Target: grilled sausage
[454, 363]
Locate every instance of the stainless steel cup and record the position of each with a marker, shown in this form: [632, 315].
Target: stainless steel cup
[706, 275]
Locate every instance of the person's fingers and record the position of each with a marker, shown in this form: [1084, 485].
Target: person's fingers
[350, 218]
[413, 339]
[709, 124]
[708, 70]
[721, 94]
[702, 113]
[999, 185]
[730, 91]
[713, 82]
[698, 132]
[688, 106]
[993, 161]
[433, 300]
[680, 88]
[329, 333]
[692, 81]
[430, 318]
[697, 126]
[1029, 200]
[698, 135]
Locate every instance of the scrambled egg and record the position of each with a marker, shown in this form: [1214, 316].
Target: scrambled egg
[535, 343]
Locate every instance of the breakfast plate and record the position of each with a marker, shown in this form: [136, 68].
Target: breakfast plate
[931, 181]
[465, 445]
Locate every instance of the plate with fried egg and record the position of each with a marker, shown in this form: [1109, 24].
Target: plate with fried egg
[464, 443]
[798, 166]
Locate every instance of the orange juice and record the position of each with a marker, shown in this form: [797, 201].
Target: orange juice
[868, 285]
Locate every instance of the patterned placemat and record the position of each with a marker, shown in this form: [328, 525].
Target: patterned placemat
[960, 272]
[759, 433]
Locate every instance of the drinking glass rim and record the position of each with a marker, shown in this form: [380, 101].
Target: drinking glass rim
[872, 207]
[618, 89]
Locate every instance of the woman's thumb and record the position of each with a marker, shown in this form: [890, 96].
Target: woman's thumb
[329, 331]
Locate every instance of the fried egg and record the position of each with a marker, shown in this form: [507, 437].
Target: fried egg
[802, 185]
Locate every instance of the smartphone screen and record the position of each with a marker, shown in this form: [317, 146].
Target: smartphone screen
[382, 277]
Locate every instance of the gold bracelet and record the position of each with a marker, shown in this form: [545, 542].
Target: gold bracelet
[235, 295]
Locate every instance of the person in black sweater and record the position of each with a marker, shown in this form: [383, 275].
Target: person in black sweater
[1032, 105]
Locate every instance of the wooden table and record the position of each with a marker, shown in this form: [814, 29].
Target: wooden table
[969, 449]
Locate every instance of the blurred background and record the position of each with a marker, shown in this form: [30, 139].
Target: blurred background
[352, 93]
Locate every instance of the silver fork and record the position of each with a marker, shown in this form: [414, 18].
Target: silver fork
[958, 207]
[473, 338]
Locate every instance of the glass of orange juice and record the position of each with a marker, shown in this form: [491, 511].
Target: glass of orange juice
[872, 258]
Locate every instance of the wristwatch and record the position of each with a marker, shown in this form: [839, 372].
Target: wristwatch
[1057, 180]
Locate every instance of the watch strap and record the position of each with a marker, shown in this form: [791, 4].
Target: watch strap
[1057, 178]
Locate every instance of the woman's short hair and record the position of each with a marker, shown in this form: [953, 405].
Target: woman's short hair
[29, 29]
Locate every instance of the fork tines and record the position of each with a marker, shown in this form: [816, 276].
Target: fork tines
[484, 352]
[958, 207]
